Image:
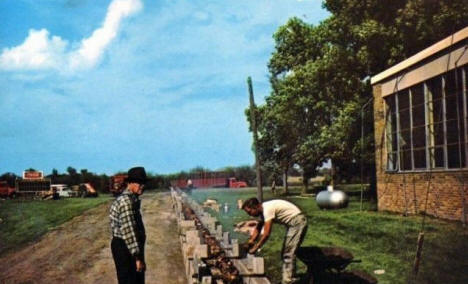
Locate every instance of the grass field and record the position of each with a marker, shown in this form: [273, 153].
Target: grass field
[23, 221]
[380, 240]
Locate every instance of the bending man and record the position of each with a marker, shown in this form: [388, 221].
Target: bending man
[283, 212]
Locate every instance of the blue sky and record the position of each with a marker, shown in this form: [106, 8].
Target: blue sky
[107, 85]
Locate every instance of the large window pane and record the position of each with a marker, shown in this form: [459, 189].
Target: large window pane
[437, 111]
[453, 155]
[418, 115]
[420, 159]
[438, 157]
[417, 94]
[403, 100]
[394, 141]
[391, 134]
[405, 141]
[452, 132]
[390, 101]
[454, 82]
[405, 160]
[391, 161]
[393, 121]
[434, 87]
[438, 134]
[404, 119]
[463, 155]
[419, 137]
[451, 107]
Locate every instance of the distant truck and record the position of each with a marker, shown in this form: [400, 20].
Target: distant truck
[117, 183]
[63, 190]
[234, 183]
[32, 187]
[6, 191]
[87, 190]
[216, 182]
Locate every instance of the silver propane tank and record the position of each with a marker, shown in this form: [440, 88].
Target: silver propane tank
[331, 199]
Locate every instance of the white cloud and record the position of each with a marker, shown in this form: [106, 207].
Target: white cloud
[38, 51]
[92, 48]
[41, 51]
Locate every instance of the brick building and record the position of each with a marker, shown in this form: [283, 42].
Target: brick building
[421, 131]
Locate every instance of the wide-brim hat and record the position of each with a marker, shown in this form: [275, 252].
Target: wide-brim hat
[138, 175]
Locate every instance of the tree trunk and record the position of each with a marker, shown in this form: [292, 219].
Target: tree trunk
[305, 183]
[333, 173]
[285, 181]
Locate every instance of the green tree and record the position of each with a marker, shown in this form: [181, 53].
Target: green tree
[10, 178]
[276, 141]
[320, 76]
[55, 173]
[74, 177]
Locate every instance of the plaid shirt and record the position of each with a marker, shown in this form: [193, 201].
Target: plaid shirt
[126, 222]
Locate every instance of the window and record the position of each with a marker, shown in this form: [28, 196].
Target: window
[426, 124]
[391, 134]
[418, 128]
[403, 99]
[435, 125]
[454, 125]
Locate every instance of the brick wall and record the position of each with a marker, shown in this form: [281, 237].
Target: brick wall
[406, 192]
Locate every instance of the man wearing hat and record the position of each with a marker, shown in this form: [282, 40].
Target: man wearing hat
[128, 231]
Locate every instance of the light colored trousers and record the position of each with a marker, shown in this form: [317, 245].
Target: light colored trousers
[296, 230]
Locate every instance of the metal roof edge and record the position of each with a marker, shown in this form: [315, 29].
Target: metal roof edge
[431, 50]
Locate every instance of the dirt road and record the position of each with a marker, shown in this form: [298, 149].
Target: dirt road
[79, 250]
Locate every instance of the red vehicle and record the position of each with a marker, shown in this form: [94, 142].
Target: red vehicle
[6, 191]
[116, 185]
[234, 183]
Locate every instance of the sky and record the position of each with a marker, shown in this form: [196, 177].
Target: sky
[108, 85]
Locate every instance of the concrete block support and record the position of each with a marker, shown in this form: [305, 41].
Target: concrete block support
[195, 251]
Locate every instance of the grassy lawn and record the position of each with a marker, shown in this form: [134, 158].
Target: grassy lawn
[380, 240]
[26, 220]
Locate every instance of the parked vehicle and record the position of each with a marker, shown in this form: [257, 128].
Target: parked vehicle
[208, 182]
[6, 191]
[31, 186]
[48, 195]
[63, 190]
[234, 183]
[87, 190]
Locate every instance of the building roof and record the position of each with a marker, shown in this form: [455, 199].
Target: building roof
[433, 49]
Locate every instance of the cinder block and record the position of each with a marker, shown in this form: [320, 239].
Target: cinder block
[201, 251]
[219, 232]
[235, 248]
[255, 280]
[257, 264]
[193, 237]
[187, 223]
[226, 238]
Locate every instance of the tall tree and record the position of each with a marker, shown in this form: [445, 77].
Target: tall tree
[320, 76]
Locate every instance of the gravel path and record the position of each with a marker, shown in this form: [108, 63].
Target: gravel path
[79, 250]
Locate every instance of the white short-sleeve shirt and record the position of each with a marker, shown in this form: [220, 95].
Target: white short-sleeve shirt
[280, 211]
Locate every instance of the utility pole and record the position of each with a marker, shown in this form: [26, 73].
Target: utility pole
[253, 123]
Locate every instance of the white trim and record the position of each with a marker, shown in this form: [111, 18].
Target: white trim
[433, 49]
[437, 66]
